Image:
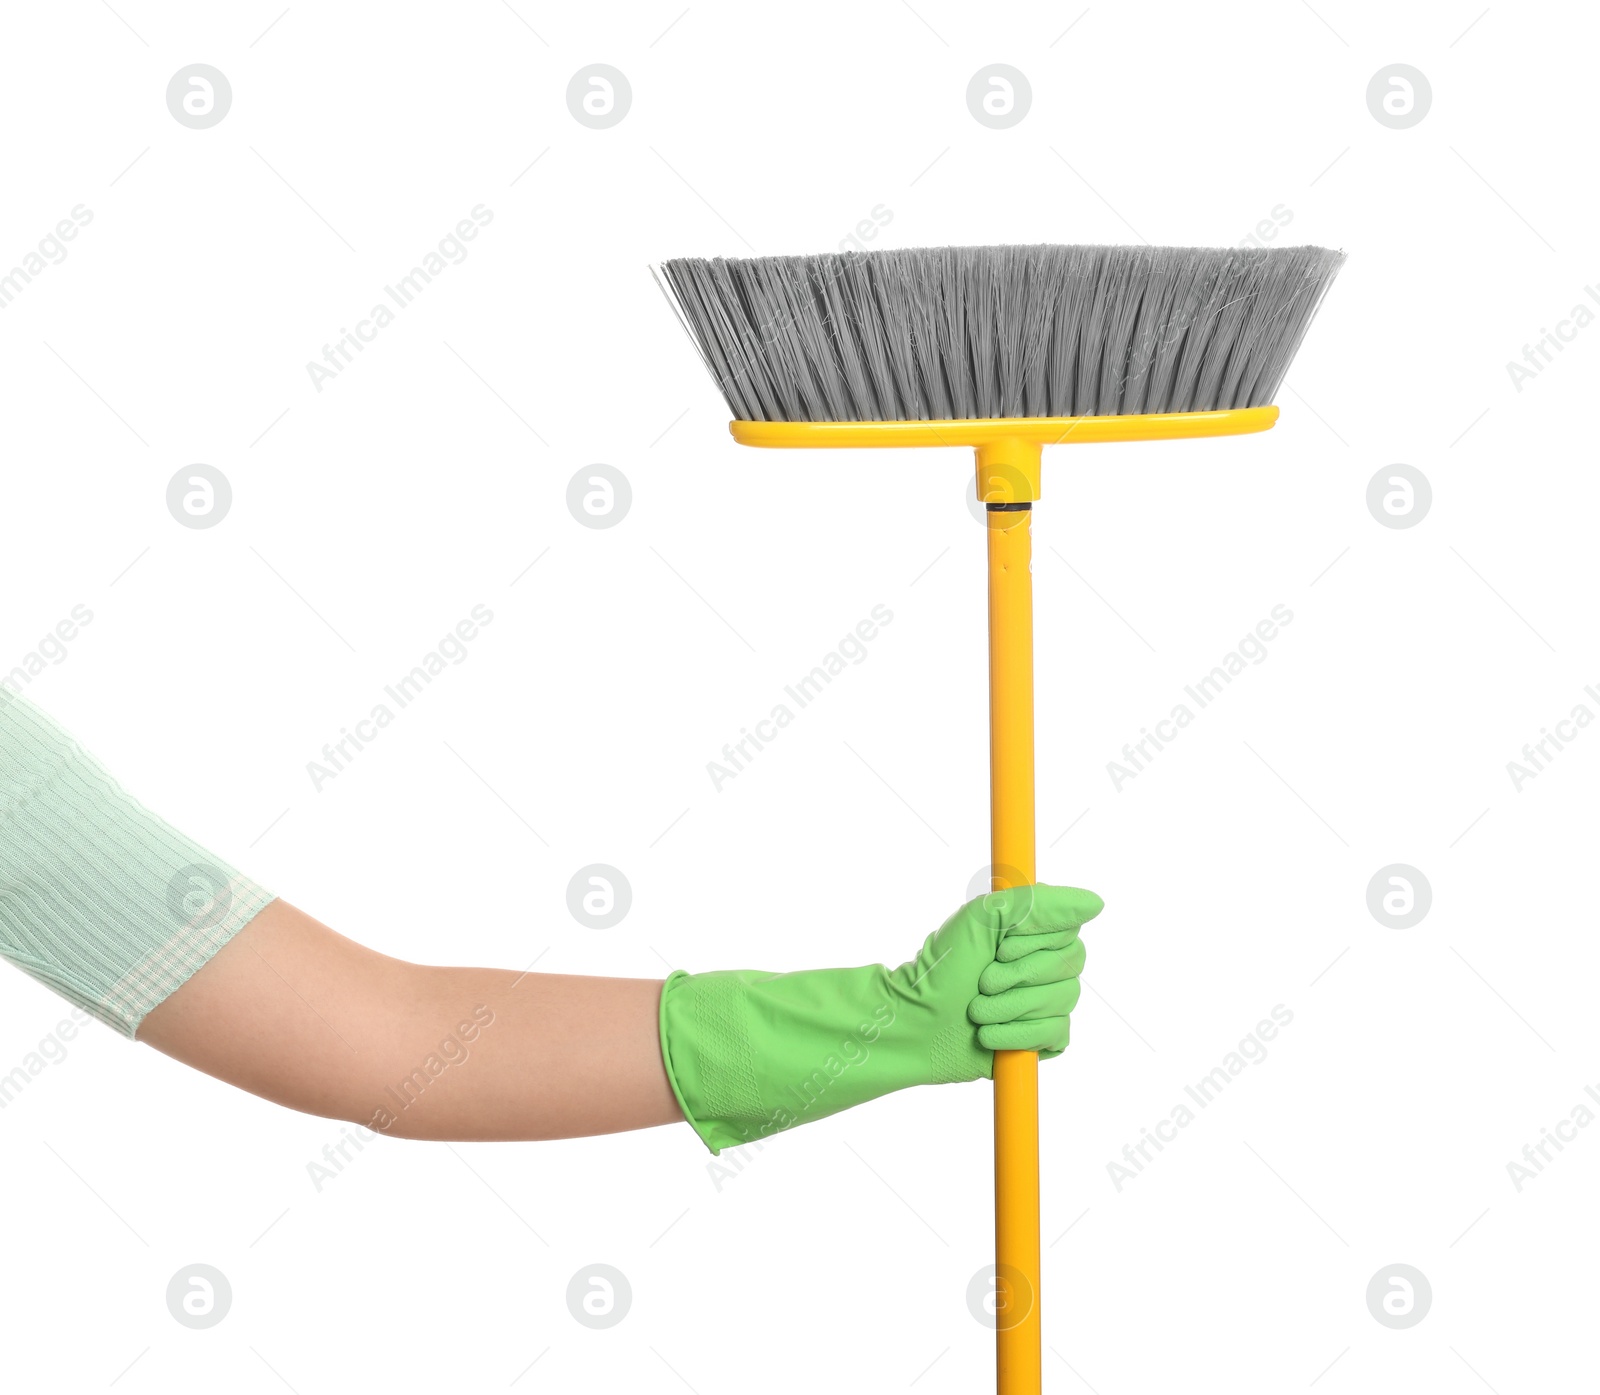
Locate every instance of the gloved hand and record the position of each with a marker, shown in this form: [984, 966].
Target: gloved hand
[750, 1054]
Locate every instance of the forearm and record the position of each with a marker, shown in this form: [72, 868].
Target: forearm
[298, 1014]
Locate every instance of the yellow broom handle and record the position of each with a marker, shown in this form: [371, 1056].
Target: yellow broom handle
[1016, 1073]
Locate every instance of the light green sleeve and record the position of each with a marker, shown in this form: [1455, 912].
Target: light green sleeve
[100, 900]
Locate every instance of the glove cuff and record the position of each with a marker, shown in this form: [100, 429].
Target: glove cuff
[751, 1054]
[705, 1047]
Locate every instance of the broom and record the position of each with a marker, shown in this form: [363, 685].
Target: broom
[1006, 350]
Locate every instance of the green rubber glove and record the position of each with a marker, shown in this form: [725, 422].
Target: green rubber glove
[750, 1054]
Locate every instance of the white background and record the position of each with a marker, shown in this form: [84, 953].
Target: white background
[370, 517]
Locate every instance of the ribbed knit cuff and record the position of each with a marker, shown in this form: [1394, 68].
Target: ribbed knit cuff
[100, 900]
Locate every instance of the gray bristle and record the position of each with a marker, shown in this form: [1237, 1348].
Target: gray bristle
[945, 333]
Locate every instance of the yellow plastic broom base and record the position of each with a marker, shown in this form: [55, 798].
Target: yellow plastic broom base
[1038, 431]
